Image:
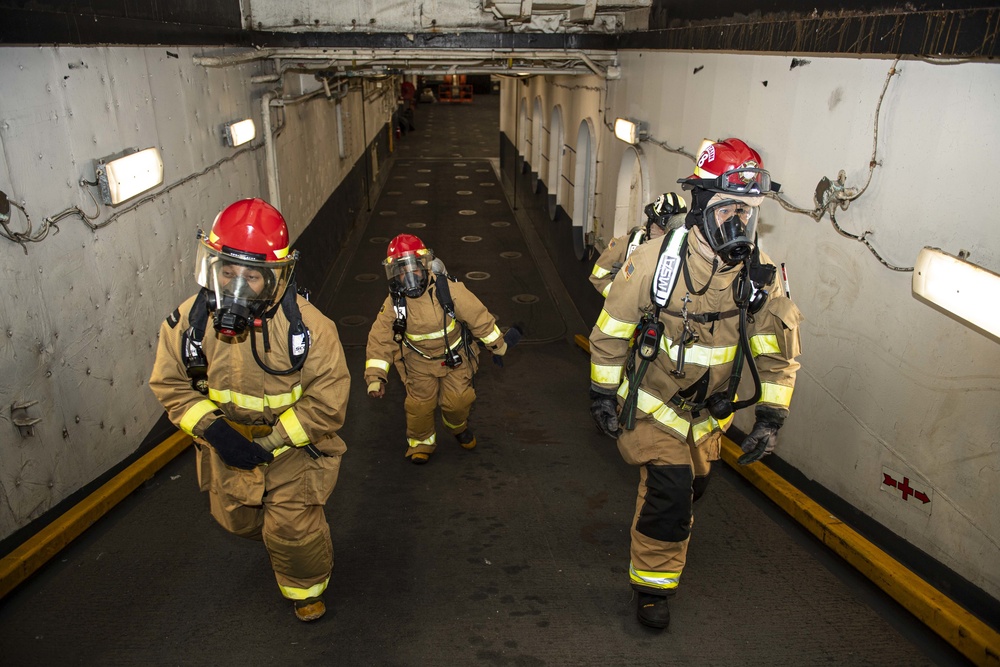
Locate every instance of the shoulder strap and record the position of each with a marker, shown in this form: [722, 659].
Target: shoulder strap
[192, 354]
[635, 239]
[444, 293]
[668, 265]
[298, 333]
[399, 324]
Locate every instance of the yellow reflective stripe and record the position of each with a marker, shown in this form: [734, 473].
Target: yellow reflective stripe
[703, 428]
[662, 580]
[659, 411]
[724, 424]
[195, 413]
[293, 593]
[700, 355]
[432, 335]
[255, 403]
[293, 428]
[493, 336]
[599, 271]
[607, 288]
[280, 450]
[764, 344]
[430, 440]
[605, 374]
[377, 363]
[615, 328]
[449, 425]
[778, 394]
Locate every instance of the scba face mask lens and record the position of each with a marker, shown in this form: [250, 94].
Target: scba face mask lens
[243, 294]
[407, 275]
[730, 227]
[242, 290]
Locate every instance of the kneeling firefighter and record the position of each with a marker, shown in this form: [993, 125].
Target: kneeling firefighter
[685, 315]
[429, 321]
[263, 394]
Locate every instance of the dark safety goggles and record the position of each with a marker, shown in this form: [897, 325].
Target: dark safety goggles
[746, 181]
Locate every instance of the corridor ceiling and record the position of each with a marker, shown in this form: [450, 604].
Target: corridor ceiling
[504, 28]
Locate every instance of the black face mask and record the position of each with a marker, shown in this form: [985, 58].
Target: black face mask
[232, 317]
[237, 311]
[411, 284]
[729, 241]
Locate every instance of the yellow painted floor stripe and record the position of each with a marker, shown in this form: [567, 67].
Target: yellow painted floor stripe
[970, 636]
[35, 552]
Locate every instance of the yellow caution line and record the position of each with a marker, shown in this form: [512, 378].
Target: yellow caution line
[970, 636]
[21, 563]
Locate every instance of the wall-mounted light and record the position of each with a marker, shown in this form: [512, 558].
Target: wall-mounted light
[959, 287]
[240, 132]
[127, 174]
[630, 131]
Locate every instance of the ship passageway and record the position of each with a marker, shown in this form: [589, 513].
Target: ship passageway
[513, 553]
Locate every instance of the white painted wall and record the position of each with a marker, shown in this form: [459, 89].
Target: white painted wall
[81, 309]
[886, 381]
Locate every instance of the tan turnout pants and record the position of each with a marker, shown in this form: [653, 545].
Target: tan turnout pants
[428, 385]
[282, 504]
[661, 526]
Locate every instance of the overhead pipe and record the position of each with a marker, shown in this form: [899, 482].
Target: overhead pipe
[270, 160]
[234, 59]
[353, 55]
[593, 66]
[270, 99]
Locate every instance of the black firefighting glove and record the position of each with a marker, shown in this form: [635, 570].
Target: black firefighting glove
[604, 410]
[762, 440]
[511, 338]
[234, 449]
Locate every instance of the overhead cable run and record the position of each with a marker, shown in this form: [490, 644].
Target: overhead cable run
[333, 89]
[830, 195]
[375, 62]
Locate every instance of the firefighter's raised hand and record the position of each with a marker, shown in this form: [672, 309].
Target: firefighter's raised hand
[376, 389]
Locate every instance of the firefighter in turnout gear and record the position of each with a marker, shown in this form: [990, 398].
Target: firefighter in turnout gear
[263, 392]
[430, 321]
[662, 216]
[686, 314]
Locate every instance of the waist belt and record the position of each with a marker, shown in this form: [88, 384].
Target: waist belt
[681, 404]
[705, 318]
[447, 348]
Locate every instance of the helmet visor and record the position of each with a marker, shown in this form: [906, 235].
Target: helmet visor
[407, 273]
[255, 285]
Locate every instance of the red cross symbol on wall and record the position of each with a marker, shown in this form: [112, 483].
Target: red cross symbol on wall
[904, 488]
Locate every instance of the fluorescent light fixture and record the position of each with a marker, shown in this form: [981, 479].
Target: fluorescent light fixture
[128, 174]
[630, 131]
[962, 289]
[240, 132]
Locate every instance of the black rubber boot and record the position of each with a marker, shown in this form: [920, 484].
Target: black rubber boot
[467, 439]
[653, 610]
